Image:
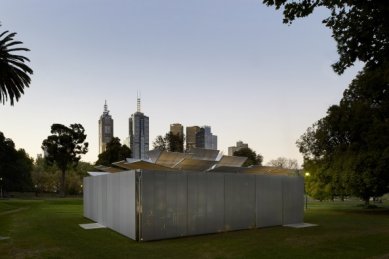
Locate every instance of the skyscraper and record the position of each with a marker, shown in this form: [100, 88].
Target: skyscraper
[139, 133]
[105, 129]
[191, 136]
[177, 129]
[205, 139]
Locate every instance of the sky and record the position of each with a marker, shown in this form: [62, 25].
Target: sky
[229, 64]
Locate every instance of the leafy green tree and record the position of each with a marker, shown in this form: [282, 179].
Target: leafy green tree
[175, 142]
[350, 146]
[15, 166]
[114, 152]
[360, 27]
[64, 148]
[14, 73]
[252, 157]
[160, 143]
[171, 142]
[76, 176]
[47, 177]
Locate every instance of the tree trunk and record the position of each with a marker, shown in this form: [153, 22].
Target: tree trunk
[367, 202]
[62, 191]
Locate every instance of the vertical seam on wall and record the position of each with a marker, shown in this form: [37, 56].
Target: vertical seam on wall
[224, 203]
[187, 203]
[255, 201]
[283, 198]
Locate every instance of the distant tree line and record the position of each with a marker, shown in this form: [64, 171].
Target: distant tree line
[15, 167]
[20, 173]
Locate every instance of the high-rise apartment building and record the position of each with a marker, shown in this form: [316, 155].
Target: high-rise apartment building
[205, 139]
[239, 145]
[177, 129]
[214, 142]
[191, 136]
[105, 129]
[139, 133]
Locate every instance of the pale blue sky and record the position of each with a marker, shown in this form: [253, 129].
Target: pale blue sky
[230, 64]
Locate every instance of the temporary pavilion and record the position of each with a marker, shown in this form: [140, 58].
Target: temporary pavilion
[172, 194]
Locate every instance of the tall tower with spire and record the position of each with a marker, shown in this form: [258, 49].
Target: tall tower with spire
[105, 129]
[139, 132]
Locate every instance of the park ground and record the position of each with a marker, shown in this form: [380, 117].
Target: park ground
[49, 228]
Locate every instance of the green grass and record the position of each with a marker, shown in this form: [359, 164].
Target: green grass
[49, 229]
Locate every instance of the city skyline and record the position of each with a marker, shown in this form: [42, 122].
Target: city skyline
[229, 64]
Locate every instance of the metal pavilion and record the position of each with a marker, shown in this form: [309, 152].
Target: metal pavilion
[173, 194]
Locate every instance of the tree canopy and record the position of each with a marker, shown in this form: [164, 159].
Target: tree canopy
[114, 152]
[252, 157]
[64, 147]
[347, 151]
[47, 178]
[360, 27]
[15, 166]
[14, 73]
[171, 142]
[284, 162]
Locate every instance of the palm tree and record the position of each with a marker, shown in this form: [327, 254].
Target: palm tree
[14, 73]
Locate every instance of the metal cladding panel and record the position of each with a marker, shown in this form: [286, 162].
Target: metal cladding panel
[115, 198]
[232, 161]
[102, 199]
[293, 200]
[94, 190]
[110, 202]
[215, 202]
[239, 201]
[268, 200]
[127, 209]
[176, 210]
[194, 165]
[169, 159]
[197, 203]
[147, 203]
[159, 205]
[204, 154]
[86, 196]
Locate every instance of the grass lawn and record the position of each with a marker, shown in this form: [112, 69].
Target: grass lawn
[49, 229]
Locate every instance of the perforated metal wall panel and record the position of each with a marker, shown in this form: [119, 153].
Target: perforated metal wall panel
[110, 201]
[239, 201]
[176, 205]
[215, 202]
[87, 193]
[197, 203]
[268, 200]
[293, 200]
[147, 222]
[164, 205]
